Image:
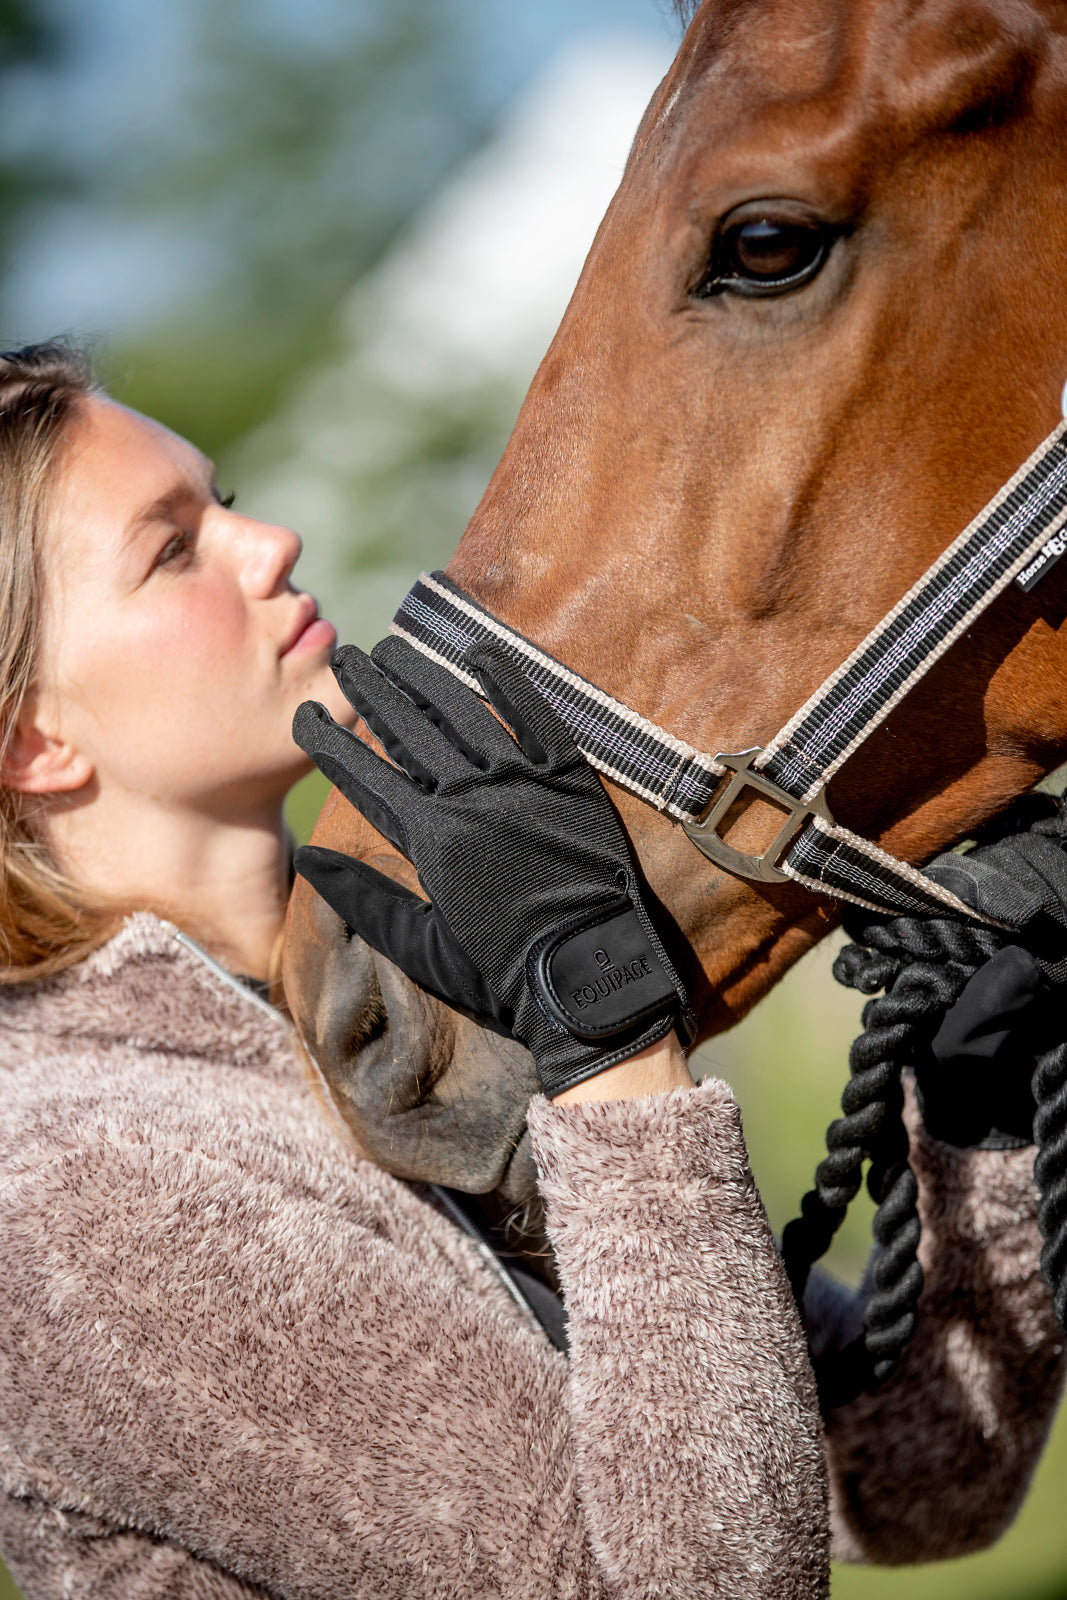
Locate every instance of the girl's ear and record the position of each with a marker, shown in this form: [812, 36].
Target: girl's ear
[40, 762]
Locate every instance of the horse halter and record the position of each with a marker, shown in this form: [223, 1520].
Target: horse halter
[1017, 537]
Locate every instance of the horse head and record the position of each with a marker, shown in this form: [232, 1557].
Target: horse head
[824, 319]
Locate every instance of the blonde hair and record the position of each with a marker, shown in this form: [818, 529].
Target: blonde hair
[47, 922]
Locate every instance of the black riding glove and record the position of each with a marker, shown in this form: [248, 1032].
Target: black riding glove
[976, 1091]
[975, 1088]
[535, 922]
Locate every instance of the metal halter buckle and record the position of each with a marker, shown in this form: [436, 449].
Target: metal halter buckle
[705, 835]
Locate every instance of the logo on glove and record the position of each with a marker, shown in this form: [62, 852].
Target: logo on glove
[612, 980]
[603, 976]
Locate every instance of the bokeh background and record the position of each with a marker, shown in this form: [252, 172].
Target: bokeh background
[329, 240]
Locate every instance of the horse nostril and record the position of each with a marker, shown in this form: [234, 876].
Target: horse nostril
[369, 1024]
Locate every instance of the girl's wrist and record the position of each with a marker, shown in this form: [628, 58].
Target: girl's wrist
[657, 1069]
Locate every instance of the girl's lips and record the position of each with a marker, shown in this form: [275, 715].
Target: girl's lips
[317, 636]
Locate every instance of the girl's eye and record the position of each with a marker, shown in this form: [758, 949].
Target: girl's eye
[227, 500]
[762, 256]
[173, 551]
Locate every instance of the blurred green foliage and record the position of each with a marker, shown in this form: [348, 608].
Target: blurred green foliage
[24, 33]
[305, 150]
[304, 804]
[29, 38]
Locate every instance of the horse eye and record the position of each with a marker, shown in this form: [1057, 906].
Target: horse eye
[764, 257]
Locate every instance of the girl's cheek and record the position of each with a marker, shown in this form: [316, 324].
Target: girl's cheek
[126, 659]
[199, 627]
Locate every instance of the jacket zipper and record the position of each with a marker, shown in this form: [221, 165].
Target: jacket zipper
[227, 977]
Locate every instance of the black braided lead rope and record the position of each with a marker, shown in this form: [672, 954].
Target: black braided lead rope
[922, 966]
[1050, 1172]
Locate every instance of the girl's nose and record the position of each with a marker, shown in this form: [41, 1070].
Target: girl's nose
[270, 553]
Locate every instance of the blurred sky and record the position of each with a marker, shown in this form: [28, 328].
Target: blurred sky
[125, 92]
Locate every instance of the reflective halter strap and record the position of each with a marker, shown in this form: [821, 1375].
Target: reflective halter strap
[1016, 537]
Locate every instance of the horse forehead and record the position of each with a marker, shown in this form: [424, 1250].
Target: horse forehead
[952, 63]
[919, 65]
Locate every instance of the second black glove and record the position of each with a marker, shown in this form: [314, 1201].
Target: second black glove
[975, 1083]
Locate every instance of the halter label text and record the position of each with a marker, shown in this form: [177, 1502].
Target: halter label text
[1046, 558]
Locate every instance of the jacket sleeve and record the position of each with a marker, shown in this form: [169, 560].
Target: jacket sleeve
[284, 1395]
[711, 1469]
[936, 1464]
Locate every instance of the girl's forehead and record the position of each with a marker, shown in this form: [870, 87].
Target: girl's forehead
[117, 469]
[115, 451]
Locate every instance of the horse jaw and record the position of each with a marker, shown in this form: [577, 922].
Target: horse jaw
[706, 504]
[423, 1090]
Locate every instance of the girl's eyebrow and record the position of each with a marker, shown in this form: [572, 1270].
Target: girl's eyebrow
[164, 508]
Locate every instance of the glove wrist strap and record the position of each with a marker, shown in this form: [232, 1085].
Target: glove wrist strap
[599, 975]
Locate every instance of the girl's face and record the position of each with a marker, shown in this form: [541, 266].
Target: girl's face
[175, 647]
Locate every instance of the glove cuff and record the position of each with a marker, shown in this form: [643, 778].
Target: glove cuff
[605, 989]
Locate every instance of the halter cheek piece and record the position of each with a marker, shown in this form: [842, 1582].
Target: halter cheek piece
[1017, 537]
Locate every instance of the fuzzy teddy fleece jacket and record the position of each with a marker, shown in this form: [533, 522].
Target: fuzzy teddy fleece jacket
[236, 1360]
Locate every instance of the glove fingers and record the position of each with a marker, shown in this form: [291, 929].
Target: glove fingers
[367, 782]
[979, 881]
[458, 713]
[400, 926]
[408, 736]
[539, 731]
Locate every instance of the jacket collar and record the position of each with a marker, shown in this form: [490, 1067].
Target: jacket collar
[151, 987]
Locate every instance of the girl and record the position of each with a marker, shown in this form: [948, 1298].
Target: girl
[235, 1358]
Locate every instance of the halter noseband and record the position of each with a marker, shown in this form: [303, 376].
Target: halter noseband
[1018, 535]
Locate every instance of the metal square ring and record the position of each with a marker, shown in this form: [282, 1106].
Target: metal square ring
[705, 835]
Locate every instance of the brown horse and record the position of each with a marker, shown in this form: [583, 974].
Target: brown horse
[824, 319]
